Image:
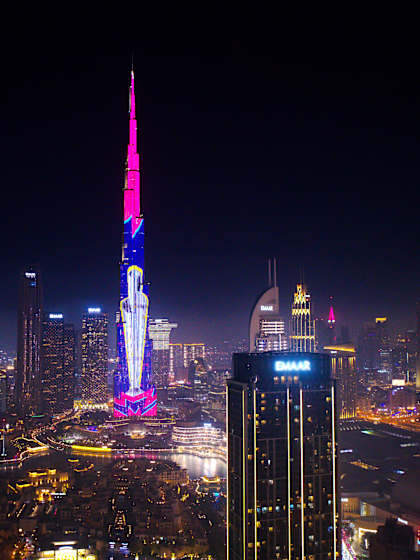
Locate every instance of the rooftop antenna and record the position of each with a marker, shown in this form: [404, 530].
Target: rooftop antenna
[275, 271]
[269, 272]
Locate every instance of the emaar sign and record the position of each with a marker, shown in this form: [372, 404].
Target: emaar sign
[292, 365]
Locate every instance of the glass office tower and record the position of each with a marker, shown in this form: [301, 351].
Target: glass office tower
[94, 351]
[282, 489]
[28, 374]
[57, 364]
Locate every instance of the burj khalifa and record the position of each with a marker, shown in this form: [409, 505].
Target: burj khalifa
[134, 393]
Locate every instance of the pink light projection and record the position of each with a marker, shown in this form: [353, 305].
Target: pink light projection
[331, 317]
[145, 400]
[132, 186]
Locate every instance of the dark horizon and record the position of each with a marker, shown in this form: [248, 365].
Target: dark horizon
[248, 152]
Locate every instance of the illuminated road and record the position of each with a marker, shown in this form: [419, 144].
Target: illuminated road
[404, 421]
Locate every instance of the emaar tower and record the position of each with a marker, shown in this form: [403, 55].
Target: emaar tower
[134, 393]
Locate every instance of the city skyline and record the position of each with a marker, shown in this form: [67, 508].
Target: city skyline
[344, 162]
[248, 385]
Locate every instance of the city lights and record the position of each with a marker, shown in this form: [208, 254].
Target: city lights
[253, 391]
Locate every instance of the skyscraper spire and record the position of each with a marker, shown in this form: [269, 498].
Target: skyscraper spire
[132, 181]
[331, 316]
[134, 393]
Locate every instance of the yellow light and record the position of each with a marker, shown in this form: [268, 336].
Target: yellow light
[94, 449]
[341, 348]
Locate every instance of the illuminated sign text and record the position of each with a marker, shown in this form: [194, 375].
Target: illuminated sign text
[292, 365]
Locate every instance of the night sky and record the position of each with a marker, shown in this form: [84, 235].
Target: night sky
[305, 148]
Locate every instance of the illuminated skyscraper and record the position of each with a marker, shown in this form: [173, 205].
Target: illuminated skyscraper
[192, 351]
[69, 365]
[134, 393]
[160, 333]
[343, 368]
[3, 392]
[418, 347]
[94, 353]
[282, 487]
[266, 325]
[302, 337]
[28, 378]
[176, 359]
[57, 364]
[384, 339]
[331, 325]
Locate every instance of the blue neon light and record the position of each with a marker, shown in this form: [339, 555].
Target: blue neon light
[138, 229]
[292, 365]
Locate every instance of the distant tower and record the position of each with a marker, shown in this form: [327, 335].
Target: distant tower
[176, 360]
[344, 371]
[418, 347]
[69, 365]
[193, 351]
[384, 339]
[302, 338]
[331, 324]
[28, 378]
[94, 357]
[57, 364]
[266, 326]
[134, 393]
[160, 334]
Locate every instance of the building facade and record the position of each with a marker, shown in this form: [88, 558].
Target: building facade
[282, 488]
[3, 392]
[192, 351]
[176, 360]
[160, 335]
[344, 371]
[28, 373]
[134, 393]
[94, 354]
[57, 364]
[69, 365]
[385, 357]
[302, 338]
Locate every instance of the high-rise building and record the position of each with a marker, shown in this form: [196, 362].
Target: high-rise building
[403, 357]
[374, 349]
[384, 349]
[28, 374]
[192, 351]
[418, 347]
[3, 391]
[302, 338]
[94, 354]
[282, 488]
[266, 325]
[198, 380]
[69, 365]
[57, 365]
[134, 393]
[368, 348]
[343, 368]
[176, 359]
[160, 333]
[331, 325]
